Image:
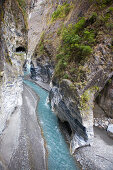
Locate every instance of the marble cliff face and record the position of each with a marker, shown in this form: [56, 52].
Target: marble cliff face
[13, 48]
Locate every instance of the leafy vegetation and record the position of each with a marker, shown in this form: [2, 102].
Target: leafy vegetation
[61, 12]
[85, 97]
[77, 42]
[22, 4]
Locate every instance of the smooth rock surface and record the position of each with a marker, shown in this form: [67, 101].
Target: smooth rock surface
[110, 130]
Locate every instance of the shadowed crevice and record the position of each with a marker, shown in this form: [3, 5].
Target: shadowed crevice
[20, 49]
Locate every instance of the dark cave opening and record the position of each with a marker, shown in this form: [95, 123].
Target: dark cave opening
[65, 129]
[20, 49]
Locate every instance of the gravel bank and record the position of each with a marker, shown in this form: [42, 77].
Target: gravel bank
[21, 144]
[99, 156]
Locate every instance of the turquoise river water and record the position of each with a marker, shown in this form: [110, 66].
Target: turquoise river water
[59, 157]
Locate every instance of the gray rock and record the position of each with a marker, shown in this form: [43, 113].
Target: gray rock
[66, 107]
[104, 101]
[110, 130]
[42, 72]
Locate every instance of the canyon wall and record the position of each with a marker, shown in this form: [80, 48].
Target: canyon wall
[38, 11]
[13, 48]
[75, 54]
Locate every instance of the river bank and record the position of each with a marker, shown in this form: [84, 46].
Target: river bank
[21, 143]
[99, 156]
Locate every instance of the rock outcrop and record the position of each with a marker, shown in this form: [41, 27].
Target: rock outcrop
[13, 48]
[103, 108]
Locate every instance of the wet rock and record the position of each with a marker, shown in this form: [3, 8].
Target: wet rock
[66, 107]
[25, 65]
[42, 71]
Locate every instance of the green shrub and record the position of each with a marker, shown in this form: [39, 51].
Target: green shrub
[85, 50]
[59, 32]
[66, 76]
[61, 11]
[110, 9]
[23, 6]
[85, 97]
[41, 48]
[92, 18]
[89, 36]
[77, 40]
[109, 26]
[59, 56]
[80, 25]
[60, 67]
[76, 44]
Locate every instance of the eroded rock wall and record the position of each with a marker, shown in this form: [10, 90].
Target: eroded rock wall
[37, 22]
[14, 35]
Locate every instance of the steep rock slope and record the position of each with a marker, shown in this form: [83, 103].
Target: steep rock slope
[37, 22]
[13, 48]
[77, 43]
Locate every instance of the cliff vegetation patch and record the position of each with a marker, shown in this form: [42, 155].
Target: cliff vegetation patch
[78, 41]
[61, 12]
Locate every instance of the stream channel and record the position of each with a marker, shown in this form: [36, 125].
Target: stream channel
[59, 157]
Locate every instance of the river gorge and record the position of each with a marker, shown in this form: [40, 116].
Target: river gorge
[57, 149]
[56, 85]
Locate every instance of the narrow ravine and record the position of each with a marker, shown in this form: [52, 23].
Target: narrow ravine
[59, 157]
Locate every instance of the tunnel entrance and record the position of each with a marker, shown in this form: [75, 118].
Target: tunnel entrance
[20, 49]
[66, 130]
